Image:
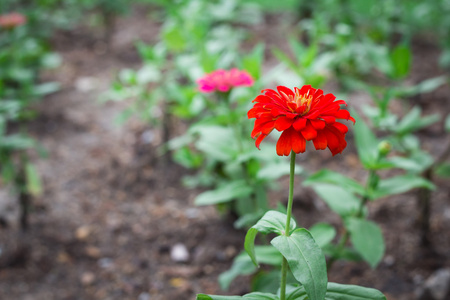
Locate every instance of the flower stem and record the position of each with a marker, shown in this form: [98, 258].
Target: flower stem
[284, 265]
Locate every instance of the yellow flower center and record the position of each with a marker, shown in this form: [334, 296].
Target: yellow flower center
[300, 100]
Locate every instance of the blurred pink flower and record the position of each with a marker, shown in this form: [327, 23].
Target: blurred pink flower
[223, 81]
[12, 20]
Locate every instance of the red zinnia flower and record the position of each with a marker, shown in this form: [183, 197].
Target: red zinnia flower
[12, 20]
[302, 115]
[223, 81]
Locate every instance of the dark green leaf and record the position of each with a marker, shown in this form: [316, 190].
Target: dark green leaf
[401, 61]
[251, 296]
[338, 199]
[447, 123]
[400, 184]
[323, 233]
[413, 121]
[336, 291]
[272, 221]
[367, 239]
[306, 261]
[33, 180]
[227, 192]
[366, 142]
[328, 176]
[443, 170]
[243, 264]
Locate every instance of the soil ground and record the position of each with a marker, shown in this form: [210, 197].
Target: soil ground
[112, 211]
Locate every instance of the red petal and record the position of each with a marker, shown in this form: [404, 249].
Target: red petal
[254, 112]
[284, 144]
[262, 99]
[284, 90]
[318, 124]
[320, 142]
[283, 123]
[299, 124]
[341, 127]
[259, 140]
[328, 119]
[298, 142]
[309, 132]
[268, 127]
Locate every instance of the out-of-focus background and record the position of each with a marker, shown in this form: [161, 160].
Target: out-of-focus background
[102, 166]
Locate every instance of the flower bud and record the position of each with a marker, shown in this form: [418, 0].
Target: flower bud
[384, 148]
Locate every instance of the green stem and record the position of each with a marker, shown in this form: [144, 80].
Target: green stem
[284, 265]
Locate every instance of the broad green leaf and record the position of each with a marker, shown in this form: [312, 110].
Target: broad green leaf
[338, 199]
[323, 233]
[226, 193]
[274, 170]
[306, 261]
[443, 170]
[425, 86]
[413, 121]
[328, 176]
[367, 239]
[33, 180]
[174, 39]
[216, 142]
[284, 58]
[251, 296]
[417, 162]
[400, 184]
[46, 88]
[253, 62]
[243, 264]
[346, 253]
[366, 142]
[272, 221]
[401, 61]
[447, 123]
[336, 291]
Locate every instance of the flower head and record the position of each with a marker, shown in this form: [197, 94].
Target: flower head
[12, 20]
[223, 81]
[302, 115]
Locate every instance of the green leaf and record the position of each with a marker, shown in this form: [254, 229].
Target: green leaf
[401, 61]
[225, 193]
[323, 233]
[252, 63]
[174, 39]
[447, 123]
[367, 239]
[306, 261]
[251, 296]
[282, 57]
[443, 170]
[338, 199]
[46, 88]
[272, 222]
[412, 121]
[328, 176]
[33, 180]
[416, 162]
[400, 184]
[366, 142]
[243, 264]
[274, 170]
[216, 142]
[336, 291]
